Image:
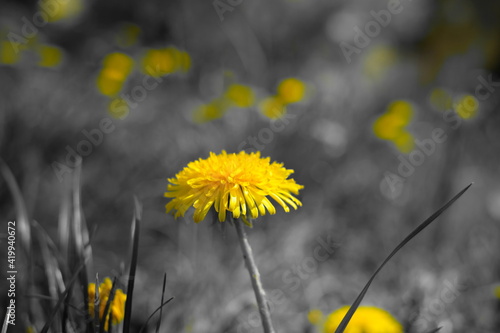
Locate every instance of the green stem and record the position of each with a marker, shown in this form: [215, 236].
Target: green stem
[260, 294]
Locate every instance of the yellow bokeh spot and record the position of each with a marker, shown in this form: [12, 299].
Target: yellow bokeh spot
[210, 111]
[240, 95]
[315, 316]
[392, 125]
[160, 62]
[118, 108]
[128, 35]
[116, 68]
[404, 142]
[378, 61]
[273, 107]
[366, 319]
[291, 90]
[467, 107]
[57, 10]
[9, 53]
[441, 99]
[50, 56]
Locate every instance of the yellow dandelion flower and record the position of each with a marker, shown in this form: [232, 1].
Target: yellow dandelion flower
[291, 90]
[392, 125]
[240, 95]
[160, 62]
[467, 107]
[116, 68]
[441, 99]
[366, 319]
[273, 107]
[50, 56]
[117, 306]
[238, 183]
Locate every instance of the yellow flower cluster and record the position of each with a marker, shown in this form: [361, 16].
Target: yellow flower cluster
[237, 183]
[117, 306]
[164, 61]
[366, 319]
[48, 55]
[289, 91]
[466, 106]
[236, 95]
[392, 125]
[116, 67]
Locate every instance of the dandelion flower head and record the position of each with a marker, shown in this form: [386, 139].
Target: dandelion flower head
[238, 183]
[117, 306]
[366, 319]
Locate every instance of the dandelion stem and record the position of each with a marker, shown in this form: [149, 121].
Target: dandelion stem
[260, 294]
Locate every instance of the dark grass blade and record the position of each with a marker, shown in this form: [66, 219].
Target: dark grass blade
[154, 312]
[158, 325]
[107, 308]
[5, 325]
[62, 298]
[423, 225]
[136, 221]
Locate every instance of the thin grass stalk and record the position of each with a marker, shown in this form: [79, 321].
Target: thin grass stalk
[136, 221]
[422, 226]
[162, 298]
[260, 294]
[107, 309]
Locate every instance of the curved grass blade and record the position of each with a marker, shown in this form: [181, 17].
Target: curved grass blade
[435, 330]
[423, 225]
[155, 311]
[162, 298]
[136, 221]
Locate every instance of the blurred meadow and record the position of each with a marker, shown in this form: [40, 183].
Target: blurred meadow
[384, 110]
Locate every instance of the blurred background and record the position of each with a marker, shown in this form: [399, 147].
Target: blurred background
[384, 109]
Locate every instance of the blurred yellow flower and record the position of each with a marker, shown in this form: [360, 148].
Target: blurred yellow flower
[160, 62]
[392, 125]
[116, 68]
[291, 90]
[467, 107]
[440, 99]
[128, 35]
[378, 60]
[240, 95]
[405, 142]
[237, 183]
[366, 319]
[117, 306]
[118, 108]
[315, 316]
[273, 107]
[50, 56]
[59, 10]
[211, 111]
[8, 54]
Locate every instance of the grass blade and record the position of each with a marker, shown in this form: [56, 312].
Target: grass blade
[423, 225]
[162, 298]
[136, 221]
[435, 330]
[155, 311]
